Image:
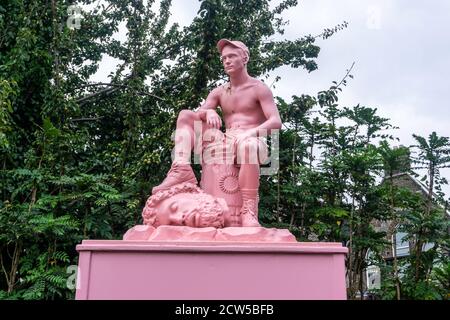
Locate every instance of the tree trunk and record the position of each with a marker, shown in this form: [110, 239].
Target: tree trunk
[11, 277]
[394, 253]
[394, 242]
[278, 197]
[419, 243]
[361, 275]
[291, 223]
[302, 221]
[418, 256]
[350, 250]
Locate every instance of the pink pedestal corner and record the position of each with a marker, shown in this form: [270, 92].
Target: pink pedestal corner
[152, 270]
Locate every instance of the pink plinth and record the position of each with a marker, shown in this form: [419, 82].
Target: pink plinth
[210, 270]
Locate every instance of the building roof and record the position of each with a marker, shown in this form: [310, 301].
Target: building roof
[422, 186]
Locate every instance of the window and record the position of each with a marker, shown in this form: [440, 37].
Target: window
[402, 244]
[373, 277]
[373, 272]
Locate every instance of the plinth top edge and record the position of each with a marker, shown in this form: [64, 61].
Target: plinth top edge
[211, 246]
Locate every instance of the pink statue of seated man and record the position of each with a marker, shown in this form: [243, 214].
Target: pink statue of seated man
[249, 113]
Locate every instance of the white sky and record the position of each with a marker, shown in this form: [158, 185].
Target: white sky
[401, 51]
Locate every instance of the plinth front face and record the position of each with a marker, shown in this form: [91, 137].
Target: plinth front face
[187, 271]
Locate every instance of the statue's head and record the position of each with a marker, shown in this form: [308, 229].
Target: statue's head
[184, 205]
[234, 55]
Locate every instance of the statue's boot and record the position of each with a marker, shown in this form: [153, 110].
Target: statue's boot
[177, 174]
[249, 210]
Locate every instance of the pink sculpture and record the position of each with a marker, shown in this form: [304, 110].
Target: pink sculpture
[207, 243]
[231, 159]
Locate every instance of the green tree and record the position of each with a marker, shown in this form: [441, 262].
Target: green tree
[394, 160]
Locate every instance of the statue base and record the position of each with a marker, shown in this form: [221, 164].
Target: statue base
[212, 270]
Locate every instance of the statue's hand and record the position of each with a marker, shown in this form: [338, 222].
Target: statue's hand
[213, 119]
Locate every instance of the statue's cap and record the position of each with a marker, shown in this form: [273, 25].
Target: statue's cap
[238, 44]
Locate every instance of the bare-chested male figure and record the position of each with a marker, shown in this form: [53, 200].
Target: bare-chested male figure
[248, 109]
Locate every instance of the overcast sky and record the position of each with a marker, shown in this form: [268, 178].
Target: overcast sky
[401, 51]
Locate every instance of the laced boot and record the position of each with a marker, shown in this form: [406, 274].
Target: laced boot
[249, 213]
[177, 174]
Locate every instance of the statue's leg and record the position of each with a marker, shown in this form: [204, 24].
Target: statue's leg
[181, 170]
[247, 156]
[185, 136]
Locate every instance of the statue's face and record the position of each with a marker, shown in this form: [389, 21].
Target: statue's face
[184, 209]
[177, 210]
[233, 59]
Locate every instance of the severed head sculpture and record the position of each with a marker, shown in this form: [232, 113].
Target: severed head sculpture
[184, 204]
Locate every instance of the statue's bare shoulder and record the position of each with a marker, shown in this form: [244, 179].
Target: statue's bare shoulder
[261, 88]
[217, 91]
[224, 87]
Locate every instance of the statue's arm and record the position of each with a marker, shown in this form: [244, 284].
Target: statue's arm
[207, 111]
[212, 100]
[269, 109]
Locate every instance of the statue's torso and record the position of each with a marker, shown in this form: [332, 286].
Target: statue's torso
[240, 106]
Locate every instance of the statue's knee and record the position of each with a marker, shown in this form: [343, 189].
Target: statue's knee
[186, 116]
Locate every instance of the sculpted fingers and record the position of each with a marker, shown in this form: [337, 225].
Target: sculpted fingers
[219, 122]
[212, 119]
[211, 122]
[216, 121]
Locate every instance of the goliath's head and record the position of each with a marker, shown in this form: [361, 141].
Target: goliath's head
[184, 205]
